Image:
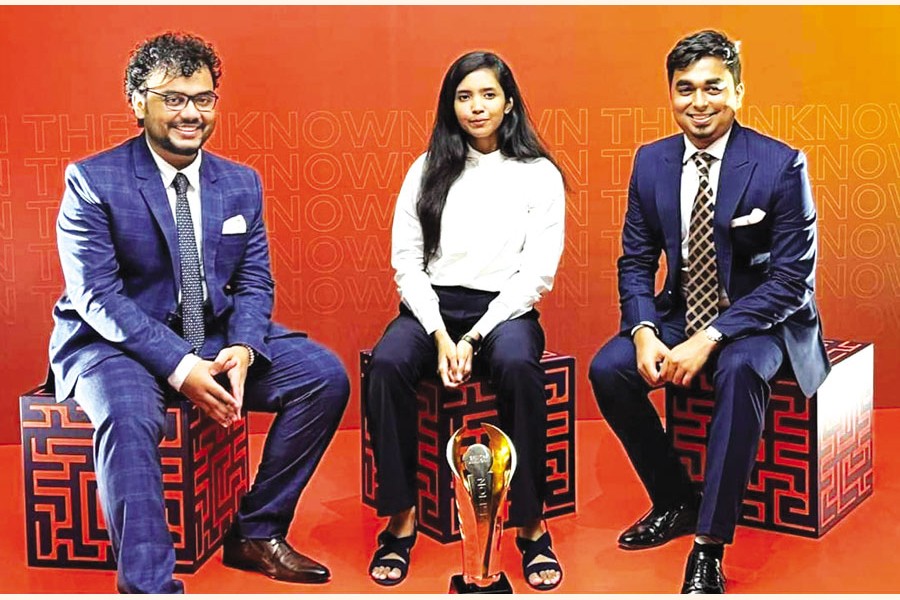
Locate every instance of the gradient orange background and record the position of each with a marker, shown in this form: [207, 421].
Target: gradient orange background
[332, 104]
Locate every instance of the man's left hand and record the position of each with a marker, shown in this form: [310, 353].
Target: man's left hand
[234, 360]
[686, 359]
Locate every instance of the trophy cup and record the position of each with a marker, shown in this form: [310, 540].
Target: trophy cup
[482, 475]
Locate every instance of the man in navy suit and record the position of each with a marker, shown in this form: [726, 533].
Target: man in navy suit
[738, 297]
[168, 288]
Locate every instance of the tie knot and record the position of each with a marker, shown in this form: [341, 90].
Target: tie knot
[180, 183]
[703, 160]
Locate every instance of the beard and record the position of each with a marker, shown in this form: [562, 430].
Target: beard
[168, 139]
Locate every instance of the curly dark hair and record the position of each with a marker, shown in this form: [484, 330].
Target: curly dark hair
[699, 45]
[180, 54]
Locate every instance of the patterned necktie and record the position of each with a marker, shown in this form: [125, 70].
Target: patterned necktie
[191, 285]
[703, 281]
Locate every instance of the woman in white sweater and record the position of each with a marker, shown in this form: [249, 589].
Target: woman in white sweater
[477, 237]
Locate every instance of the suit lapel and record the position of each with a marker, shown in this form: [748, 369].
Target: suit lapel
[154, 194]
[733, 179]
[211, 201]
[668, 203]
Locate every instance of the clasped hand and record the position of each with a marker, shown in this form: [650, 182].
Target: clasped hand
[201, 387]
[454, 363]
[659, 365]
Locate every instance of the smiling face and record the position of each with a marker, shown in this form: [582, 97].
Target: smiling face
[480, 106]
[175, 135]
[704, 100]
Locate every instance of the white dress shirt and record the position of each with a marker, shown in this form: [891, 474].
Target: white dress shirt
[690, 183]
[502, 230]
[167, 172]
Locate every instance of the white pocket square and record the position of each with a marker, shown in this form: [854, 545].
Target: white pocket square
[235, 224]
[756, 215]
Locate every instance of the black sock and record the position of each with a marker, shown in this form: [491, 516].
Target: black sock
[714, 550]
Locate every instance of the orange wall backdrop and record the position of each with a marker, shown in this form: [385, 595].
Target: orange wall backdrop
[332, 104]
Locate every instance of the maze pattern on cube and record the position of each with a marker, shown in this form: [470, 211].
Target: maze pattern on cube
[441, 412]
[846, 474]
[814, 463]
[205, 471]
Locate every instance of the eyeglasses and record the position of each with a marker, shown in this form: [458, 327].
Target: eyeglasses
[176, 101]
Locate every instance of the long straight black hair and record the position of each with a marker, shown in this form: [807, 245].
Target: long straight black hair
[447, 149]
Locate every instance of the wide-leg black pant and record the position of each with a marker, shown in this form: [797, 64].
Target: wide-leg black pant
[511, 353]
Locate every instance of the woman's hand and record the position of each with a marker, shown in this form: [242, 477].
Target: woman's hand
[447, 362]
[465, 352]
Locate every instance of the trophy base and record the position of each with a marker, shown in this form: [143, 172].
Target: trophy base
[458, 585]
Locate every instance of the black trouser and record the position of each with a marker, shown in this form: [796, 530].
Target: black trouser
[511, 352]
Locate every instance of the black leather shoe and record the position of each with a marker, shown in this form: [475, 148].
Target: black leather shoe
[703, 574]
[659, 526]
[273, 557]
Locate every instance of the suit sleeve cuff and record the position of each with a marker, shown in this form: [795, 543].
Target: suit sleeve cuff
[176, 379]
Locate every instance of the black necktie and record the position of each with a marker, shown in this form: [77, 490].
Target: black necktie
[703, 281]
[191, 284]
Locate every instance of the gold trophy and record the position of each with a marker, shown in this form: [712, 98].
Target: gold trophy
[482, 475]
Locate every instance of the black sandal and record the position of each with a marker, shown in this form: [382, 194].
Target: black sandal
[390, 544]
[530, 550]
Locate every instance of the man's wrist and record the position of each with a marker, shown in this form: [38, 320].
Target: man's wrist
[713, 335]
[251, 358]
[252, 354]
[648, 324]
[177, 377]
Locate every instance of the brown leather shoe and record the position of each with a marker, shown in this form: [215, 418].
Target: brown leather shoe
[273, 557]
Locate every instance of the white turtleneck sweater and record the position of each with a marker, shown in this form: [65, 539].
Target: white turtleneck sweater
[502, 230]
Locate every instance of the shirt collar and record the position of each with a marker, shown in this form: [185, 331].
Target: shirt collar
[168, 172]
[475, 157]
[716, 149]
